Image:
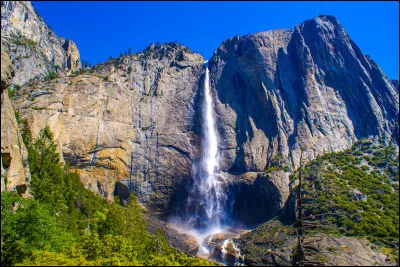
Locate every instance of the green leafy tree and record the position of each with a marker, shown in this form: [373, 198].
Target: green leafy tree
[27, 227]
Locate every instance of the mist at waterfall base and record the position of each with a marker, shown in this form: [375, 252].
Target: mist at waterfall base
[207, 208]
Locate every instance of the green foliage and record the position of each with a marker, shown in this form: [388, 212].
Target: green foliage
[271, 169]
[48, 258]
[277, 163]
[31, 227]
[51, 76]
[46, 170]
[356, 191]
[85, 64]
[66, 224]
[24, 41]
[10, 92]
[24, 129]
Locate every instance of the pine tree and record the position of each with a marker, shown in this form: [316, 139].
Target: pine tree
[135, 226]
[46, 170]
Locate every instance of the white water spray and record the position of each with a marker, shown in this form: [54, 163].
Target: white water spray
[207, 197]
[205, 209]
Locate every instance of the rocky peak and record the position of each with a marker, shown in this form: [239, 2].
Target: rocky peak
[311, 87]
[172, 51]
[35, 50]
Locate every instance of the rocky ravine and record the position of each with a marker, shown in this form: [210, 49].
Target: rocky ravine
[33, 47]
[275, 92]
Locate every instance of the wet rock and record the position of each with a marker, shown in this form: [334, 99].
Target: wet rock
[215, 239]
[269, 193]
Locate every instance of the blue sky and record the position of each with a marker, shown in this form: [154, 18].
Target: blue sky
[104, 29]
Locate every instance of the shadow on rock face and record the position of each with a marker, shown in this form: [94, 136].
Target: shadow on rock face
[256, 201]
[121, 190]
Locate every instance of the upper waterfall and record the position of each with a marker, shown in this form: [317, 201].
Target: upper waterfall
[207, 198]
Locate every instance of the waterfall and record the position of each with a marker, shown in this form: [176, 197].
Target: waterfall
[206, 217]
[207, 198]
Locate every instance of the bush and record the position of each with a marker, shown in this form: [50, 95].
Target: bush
[10, 92]
[51, 76]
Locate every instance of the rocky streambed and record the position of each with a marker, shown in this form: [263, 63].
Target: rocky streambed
[222, 247]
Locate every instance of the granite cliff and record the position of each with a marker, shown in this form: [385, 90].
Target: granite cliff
[15, 175]
[310, 87]
[34, 49]
[135, 118]
[280, 91]
[128, 117]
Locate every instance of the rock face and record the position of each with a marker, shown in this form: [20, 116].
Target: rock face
[7, 71]
[310, 87]
[15, 175]
[252, 190]
[273, 244]
[137, 119]
[133, 111]
[33, 47]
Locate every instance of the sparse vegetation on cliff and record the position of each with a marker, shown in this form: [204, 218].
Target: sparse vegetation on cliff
[354, 193]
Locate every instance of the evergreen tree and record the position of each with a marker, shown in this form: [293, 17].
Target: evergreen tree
[46, 170]
[135, 226]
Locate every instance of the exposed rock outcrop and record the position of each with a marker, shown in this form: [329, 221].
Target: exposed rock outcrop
[35, 50]
[15, 175]
[273, 244]
[310, 87]
[395, 84]
[180, 241]
[7, 71]
[257, 197]
[136, 110]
